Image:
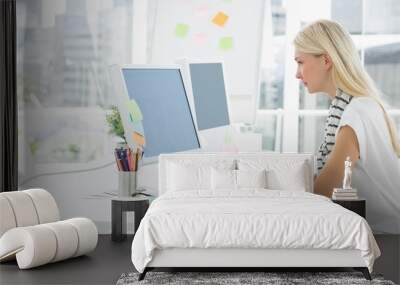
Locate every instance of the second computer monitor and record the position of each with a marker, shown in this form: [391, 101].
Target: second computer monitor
[209, 94]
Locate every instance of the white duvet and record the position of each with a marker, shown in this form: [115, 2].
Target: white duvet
[251, 218]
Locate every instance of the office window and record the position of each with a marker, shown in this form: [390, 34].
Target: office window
[383, 64]
[64, 49]
[312, 101]
[349, 14]
[272, 75]
[310, 124]
[382, 17]
[267, 125]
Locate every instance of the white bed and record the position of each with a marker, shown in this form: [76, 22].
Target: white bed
[202, 226]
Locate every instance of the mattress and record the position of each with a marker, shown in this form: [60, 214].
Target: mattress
[250, 219]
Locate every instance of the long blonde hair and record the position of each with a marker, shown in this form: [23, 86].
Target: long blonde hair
[348, 74]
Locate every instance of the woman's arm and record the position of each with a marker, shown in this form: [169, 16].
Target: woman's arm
[332, 173]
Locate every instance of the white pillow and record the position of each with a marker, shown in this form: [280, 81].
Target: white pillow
[282, 174]
[291, 178]
[251, 178]
[188, 177]
[223, 179]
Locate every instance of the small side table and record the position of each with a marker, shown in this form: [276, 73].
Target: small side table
[357, 206]
[138, 204]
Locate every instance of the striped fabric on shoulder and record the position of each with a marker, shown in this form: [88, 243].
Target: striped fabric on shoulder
[336, 109]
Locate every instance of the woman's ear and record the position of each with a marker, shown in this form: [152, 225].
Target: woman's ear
[327, 61]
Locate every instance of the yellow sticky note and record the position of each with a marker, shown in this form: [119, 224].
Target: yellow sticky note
[220, 19]
[181, 30]
[138, 138]
[135, 115]
[226, 43]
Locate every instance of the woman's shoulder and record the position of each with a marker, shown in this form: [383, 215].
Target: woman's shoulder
[364, 106]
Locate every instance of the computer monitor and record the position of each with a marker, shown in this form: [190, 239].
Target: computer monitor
[152, 101]
[209, 95]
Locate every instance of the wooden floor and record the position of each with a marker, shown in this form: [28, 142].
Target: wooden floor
[111, 259]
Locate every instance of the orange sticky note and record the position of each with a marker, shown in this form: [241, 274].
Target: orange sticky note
[138, 138]
[220, 19]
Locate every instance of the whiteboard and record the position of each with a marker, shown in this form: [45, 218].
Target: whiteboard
[185, 29]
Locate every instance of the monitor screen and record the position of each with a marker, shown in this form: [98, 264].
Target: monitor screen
[166, 118]
[209, 95]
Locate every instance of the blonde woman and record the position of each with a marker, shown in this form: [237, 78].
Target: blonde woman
[357, 126]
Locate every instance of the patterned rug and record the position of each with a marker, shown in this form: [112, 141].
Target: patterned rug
[229, 278]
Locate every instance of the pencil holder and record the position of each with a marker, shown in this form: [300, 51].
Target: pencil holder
[126, 183]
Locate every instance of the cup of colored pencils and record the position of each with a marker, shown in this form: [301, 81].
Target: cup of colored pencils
[127, 161]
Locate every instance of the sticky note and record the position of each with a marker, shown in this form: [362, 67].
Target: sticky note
[226, 43]
[200, 38]
[181, 30]
[202, 11]
[138, 127]
[135, 115]
[220, 19]
[138, 138]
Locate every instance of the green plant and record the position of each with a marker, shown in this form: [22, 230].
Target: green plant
[74, 149]
[115, 123]
[34, 145]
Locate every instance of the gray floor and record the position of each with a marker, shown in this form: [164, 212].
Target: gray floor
[103, 266]
[110, 260]
[389, 262]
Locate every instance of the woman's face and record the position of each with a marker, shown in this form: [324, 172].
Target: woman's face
[312, 70]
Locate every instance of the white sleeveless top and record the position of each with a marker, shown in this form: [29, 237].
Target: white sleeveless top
[376, 174]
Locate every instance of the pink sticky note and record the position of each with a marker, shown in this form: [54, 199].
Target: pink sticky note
[200, 38]
[201, 11]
